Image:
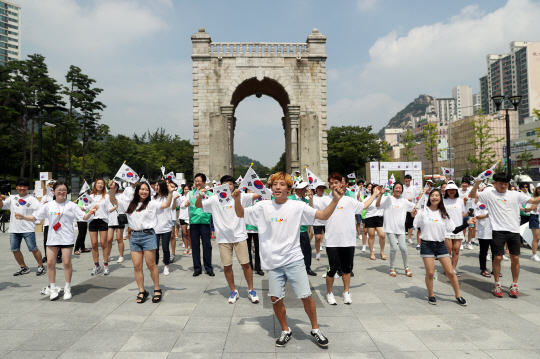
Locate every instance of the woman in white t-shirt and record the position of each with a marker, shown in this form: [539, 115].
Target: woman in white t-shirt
[484, 233]
[116, 228]
[395, 212]
[60, 213]
[374, 222]
[142, 213]
[183, 218]
[455, 208]
[534, 226]
[99, 223]
[435, 223]
[174, 217]
[164, 224]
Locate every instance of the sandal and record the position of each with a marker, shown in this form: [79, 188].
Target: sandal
[77, 253]
[86, 250]
[141, 300]
[500, 274]
[383, 256]
[157, 297]
[185, 251]
[392, 273]
[485, 273]
[190, 252]
[408, 272]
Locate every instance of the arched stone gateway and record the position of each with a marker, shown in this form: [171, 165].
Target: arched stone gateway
[225, 73]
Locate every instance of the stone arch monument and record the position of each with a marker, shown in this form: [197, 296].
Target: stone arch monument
[294, 74]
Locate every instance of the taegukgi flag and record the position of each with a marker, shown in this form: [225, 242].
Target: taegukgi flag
[351, 175]
[252, 182]
[392, 180]
[87, 200]
[223, 192]
[163, 170]
[488, 173]
[447, 171]
[169, 175]
[127, 174]
[313, 180]
[84, 188]
[239, 180]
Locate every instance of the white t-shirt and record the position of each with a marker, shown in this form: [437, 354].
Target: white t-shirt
[319, 204]
[434, 227]
[64, 213]
[504, 208]
[24, 205]
[466, 194]
[372, 210]
[409, 193]
[229, 227]
[129, 192]
[455, 209]
[395, 213]
[341, 226]
[139, 220]
[164, 221]
[532, 212]
[279, 230]
[103, 209]
[113, 216]
[174, 204]
[483, 228]
[184, 211]
[47, 198]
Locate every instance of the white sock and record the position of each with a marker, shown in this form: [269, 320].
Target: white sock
[497, 283]
[52, 285]
[513, 284]
[68, 285]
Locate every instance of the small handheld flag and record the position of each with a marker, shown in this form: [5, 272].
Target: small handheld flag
[313, 180]
[351, 175]
[426, 188]
[163, 170]
[239, 180]
[252, 182]
[127, 174]
[447, 171]
[87, 200]
[488, 173]
[392, 180]
[169, 175]
[84, 188]
[223, 194]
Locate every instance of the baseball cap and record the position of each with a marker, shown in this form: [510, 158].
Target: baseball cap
[301, 185]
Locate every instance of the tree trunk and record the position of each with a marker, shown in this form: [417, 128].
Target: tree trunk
[31, 153]
[25, 134]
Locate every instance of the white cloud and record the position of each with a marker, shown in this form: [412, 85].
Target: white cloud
[367, 5]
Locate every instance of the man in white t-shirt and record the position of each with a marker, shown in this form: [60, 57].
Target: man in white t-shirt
[24, 204]
[504, 207]
[231, 234]
[278, 222]
[409, 193]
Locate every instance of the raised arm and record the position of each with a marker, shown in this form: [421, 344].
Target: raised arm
[368, 202]
[474, 190]
[534, 200]
[167, 203]
[112, 193]
[238, 204]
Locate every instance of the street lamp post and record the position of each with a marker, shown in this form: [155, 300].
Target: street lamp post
[498, 100]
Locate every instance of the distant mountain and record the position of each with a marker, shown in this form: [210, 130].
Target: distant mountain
[415, 108]
[245, 161]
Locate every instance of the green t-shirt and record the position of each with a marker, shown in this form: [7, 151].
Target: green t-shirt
[522, 210]
[365, 210]
[305, 200]
[350, 193]
[197, 215]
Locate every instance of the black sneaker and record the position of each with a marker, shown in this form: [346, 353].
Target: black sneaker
[21, 271]
[462, 301]
[432, 300]
[284, 338]
[40, 271]
[319, 336]
[58, 260]
[352, 273]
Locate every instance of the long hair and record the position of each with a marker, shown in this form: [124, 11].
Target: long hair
[162, 190]
[136, 199]
[536, 191]
[94, 190]
[441, 208]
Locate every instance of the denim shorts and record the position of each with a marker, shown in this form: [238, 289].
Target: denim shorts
[296, 273]
[15, 240]
[466, 219]
[533, 222]
[174, 222]
[433, 249]
[145, 240]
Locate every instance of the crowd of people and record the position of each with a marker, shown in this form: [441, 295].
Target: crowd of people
[275, 235]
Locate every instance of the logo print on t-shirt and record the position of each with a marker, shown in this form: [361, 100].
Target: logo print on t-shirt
[452, 207]
[339, 208]
[22, 202]
[277, 220]
[226, 207]
[258, 184]
[501, 200]
[433, 220]
[395, 206]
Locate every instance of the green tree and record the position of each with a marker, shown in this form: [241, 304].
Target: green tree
[482, 139]
[408, 140]
[525, 167]
[537, 130]
[351, 147]
[430, 139]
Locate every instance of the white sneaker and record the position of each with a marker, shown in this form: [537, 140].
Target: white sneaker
[67, 293]
[252, 295]
[417, 246]
[183, 245]
[347, 299]
[54, 293]
[535, 258]
[469, 246]
[166, 270]
[336, 275]
[318, 257]
[363, 248]
[95, 270]
[461, 247]
[324, 275]
[106, 270]
[505, 257]
[488, 258]
[410, 241]
[120, 260]
[46, 290]
[330, 298]
[233, 297]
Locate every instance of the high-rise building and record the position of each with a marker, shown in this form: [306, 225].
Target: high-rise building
[464, 101]
[10, 36]
[445, 108]
[477, 103]
[515, 73]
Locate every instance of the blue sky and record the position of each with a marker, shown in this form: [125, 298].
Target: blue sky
[381, 54]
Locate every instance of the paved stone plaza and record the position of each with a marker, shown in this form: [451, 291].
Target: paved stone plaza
[389, 317]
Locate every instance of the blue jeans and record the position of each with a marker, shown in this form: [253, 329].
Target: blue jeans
[15, 240]
[198, 233]
[296, 273]
[143, 241]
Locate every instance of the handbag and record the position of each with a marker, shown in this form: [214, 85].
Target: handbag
[122, 219]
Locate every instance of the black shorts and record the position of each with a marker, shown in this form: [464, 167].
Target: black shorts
[182, 222]
[409, 220]
[339, 256]
[61, 245]
[500, 238]
[117, 227]
[98, 225]
[319, 229]
[374, 222]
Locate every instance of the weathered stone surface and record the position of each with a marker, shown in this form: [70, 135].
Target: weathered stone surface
[292, 73]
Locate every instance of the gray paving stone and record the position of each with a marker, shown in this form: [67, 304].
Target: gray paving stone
[513, 353]
[150, 342]
[383, 324]
[77, 354]
[174, 355]
[493, 339]
[259, 342]
[352, 342]
[141, 355]
[124, 323]
[203, 324]
[409, 355]
[425, 322]
[16, 354]
[461, 354]
[164, 324]
[445, 340]
[108, 341]
[174, 309]
[51, 340]
[369, 355]
[405, 341]
[11, 339]
[205, 343]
